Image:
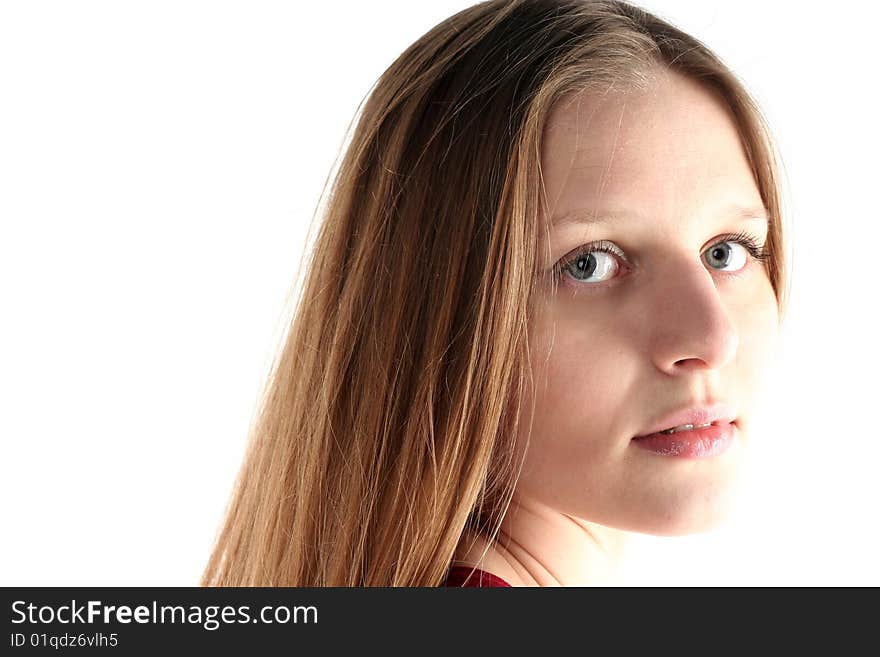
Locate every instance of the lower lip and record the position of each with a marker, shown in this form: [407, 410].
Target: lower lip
[693, 444]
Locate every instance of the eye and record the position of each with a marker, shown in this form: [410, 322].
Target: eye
[594, 263]
[722, 258]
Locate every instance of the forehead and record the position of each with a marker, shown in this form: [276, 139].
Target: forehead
[667, 150]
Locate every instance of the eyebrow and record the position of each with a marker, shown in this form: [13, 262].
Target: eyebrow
[582, 216]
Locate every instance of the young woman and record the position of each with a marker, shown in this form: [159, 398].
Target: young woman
[552, 252]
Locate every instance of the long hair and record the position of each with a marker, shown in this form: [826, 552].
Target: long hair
[387, 424]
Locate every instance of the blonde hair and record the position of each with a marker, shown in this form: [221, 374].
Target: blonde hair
[387, 424]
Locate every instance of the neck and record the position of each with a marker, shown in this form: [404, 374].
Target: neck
[538, 546]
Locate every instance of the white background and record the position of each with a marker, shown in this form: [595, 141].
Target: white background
[159, 166]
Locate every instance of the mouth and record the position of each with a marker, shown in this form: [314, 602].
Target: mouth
[692, 418]
[688, 427]
[691, 441]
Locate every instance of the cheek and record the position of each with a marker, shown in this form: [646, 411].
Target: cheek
[580, 383]
[579, 392]
[758, 327]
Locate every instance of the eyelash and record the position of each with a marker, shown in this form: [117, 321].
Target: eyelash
[749, 241]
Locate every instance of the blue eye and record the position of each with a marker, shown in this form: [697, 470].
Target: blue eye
[600, 261]
[723, 254]
[597, 264]
[748, 246]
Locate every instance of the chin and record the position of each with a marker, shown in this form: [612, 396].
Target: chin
[702, 512]
[697, 502]
[690, 526]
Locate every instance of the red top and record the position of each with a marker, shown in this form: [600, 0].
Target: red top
[461, 576]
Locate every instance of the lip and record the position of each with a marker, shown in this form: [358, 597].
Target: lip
[695, 444]
[716, 413]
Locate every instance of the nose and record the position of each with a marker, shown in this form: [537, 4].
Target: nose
[691, 327]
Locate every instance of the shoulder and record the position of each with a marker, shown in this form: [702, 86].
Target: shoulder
[468, 576]
[475, 552]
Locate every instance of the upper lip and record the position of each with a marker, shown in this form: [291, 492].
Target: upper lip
[694, 414]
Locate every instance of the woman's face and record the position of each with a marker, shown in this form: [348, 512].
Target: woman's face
[671, 324]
